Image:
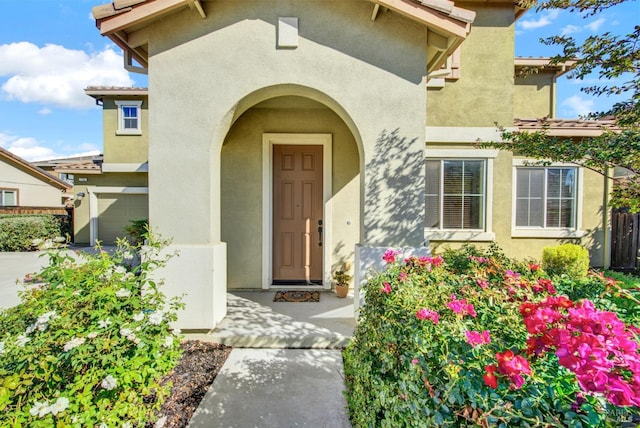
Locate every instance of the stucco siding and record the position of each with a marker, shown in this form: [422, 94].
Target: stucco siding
[209, 71]
[484, 93]
[241, 187]
[31, 190]
[124, 148]
[533, 97]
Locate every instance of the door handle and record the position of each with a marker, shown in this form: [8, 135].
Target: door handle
[320, 233]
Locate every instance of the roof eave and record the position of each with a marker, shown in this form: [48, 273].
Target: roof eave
[34, 170]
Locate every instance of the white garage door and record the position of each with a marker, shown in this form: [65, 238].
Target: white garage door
[115, 211]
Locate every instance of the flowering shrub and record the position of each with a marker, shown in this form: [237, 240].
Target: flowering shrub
[475, 338]
[89, 342]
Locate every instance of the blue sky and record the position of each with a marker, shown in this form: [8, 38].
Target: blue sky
[50, 51]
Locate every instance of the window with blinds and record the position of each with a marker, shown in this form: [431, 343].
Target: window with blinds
[8, 198]
[545, 197]
[455, 194]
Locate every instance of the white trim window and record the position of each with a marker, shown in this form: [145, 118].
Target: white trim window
[546, 197]
[8, 198]
[458, 194]
[129, 117]
[455, 194]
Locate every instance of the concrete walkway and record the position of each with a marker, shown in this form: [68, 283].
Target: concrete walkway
[286, 366]
[13, 268]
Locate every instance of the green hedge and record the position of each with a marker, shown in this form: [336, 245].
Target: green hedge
[17, 232]
[441, 341]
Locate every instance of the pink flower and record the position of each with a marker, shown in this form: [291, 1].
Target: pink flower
[489, 377]
[390, 256]
[402, 276]
[414, 361]
[513, 366]
[482, 283]
[461, 307]
[534, 267]
[475, 338]
[386, 288]
[427, 314]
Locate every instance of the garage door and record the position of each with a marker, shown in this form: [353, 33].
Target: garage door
[115, 211]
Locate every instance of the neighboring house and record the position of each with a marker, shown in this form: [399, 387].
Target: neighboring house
[23, 184]
[287, 139]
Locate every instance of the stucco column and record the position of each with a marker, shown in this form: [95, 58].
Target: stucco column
[393, 182]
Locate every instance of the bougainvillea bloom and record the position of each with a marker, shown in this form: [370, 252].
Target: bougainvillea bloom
[461, 307]
[402, 276]
[513, 366]
[427, 314]
[389, 256]
[475, 338]
[595, 345]
[386, 288]
[483, 283]
[534, 267]
[489, 377]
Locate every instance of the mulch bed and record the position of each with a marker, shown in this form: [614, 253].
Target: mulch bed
[191, 378]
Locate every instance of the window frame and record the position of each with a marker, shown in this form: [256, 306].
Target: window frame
[486, 233]
[547, 232]
[122, 130]
[4, 190]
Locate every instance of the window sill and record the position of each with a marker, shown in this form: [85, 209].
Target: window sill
[459, 235]
[547, 233]
[127, 132]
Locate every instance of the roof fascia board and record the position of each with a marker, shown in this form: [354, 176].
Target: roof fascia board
[34, 170]
[428, 17]
[139, 14]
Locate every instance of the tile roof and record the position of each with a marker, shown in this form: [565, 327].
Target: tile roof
[79, 168]
[567, 127]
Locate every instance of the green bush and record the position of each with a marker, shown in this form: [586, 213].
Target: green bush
[18, 232]
[88, 344]
[137, 230]
[566, 259]
[431, 334]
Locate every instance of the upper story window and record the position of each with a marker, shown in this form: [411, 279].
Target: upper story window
[129, 117]
[8, 197]
[67, 177]
[546, 201]
[458, 194]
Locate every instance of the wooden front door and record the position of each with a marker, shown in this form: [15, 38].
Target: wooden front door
[297, 214]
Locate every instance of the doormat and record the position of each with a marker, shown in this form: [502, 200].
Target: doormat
[297, 296]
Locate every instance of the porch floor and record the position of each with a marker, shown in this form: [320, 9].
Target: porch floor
[254, 320]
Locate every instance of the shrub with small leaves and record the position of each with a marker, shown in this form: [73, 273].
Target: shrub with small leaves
[445, 341]
[17, 232]
[89, 342]
[571, 260]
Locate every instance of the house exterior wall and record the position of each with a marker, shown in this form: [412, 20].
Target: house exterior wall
[533, 96]
[124, 148]
[32, 192]
[81, 207]
[372, 74]
[241, 187]
[484, 93]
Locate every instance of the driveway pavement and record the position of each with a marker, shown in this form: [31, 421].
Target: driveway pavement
[13, 267]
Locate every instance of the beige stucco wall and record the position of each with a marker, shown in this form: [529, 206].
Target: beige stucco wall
[241, 187]
[371, 74]
[81, 207]
[32, 191]
[533, 96]
[484, 93]
[124, 148]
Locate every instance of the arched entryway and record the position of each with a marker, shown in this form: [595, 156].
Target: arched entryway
[296, 128]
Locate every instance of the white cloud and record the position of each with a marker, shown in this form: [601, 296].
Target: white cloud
[44, 111]
[578, 106]
[570, 29]
[56, 75]
[542, 20]
[32, 150]
[595, 25]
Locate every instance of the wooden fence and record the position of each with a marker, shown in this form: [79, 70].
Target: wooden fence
[625, 240]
